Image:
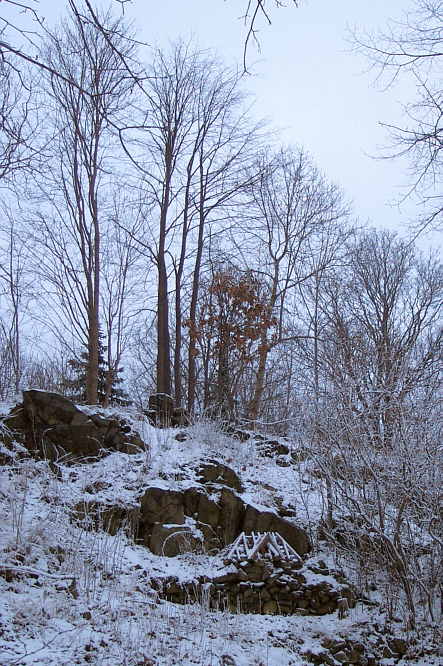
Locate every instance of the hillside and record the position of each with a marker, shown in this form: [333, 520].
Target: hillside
[96, 551]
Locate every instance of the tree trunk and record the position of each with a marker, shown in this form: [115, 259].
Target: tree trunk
[178, 287]
[92, 371]
[94, 324]
[192, 347]
[255, 403]
[163, 335]
[163, 339]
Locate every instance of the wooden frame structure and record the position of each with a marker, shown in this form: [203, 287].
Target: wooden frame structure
[269, 546]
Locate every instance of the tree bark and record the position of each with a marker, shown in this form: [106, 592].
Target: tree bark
[192, 347]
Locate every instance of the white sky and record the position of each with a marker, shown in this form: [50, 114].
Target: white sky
[306, 81]
[309, 84]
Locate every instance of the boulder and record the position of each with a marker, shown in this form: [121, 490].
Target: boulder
[182, 436]
[161, 505]
[214, 471]
[51, 409]
[233, 514]
[221, 516]
[256, 520]
[172, 540]
[162, 413]
[151, 415]
[191, 499]
[209, 512]
[239, 433]
[180, 417]
[398, 645]
[52, 426]
[271, 448]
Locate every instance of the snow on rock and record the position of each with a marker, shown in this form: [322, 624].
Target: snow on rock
[73, 590]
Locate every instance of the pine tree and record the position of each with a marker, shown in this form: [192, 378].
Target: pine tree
[76, 385]
[117, 395]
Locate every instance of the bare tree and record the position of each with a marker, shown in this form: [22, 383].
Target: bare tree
[375, 427]
[292, 204]
[30, 32]
[22, 28]
[192, 143]
[14, 297]
[121, 292]
[386, 505]
[76, 183]
[19, 123]
[226, 141]
[167, 133]
[383, 337]
[413, 47]
[254, 10]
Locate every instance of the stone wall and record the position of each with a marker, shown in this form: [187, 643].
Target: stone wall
[282, 588]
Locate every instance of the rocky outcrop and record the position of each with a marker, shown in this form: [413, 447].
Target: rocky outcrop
[108, 517]
[340, 651]
[272, 447]
[257, 520]
[214, 471]
[159, 505]
[172, 540]
[267, 446]
[261, 587]
[220, 515]
[53, 427]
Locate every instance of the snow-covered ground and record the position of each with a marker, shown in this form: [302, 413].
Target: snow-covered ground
[72, 595]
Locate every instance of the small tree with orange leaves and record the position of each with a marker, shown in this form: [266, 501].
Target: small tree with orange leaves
[233, 315]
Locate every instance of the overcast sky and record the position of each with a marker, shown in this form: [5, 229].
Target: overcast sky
[307, 82]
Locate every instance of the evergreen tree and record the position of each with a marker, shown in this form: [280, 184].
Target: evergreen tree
[117, 395]
[107, 377]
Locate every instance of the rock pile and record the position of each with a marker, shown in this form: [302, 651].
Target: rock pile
[340, 651]
[368, 650]
[266, 446]
[264, 588]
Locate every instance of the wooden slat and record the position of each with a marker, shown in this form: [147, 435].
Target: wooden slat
[251, 546]
[259, 545]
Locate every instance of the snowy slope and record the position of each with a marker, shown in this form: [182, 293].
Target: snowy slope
[72, 595]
